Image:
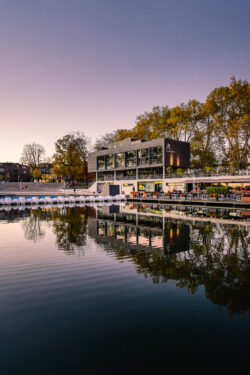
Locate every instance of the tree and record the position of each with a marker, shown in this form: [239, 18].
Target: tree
[105, 139]
[83, 144]
[232, 119]
[32, 155]
[68, 160]
[206, 143]
[36, 174]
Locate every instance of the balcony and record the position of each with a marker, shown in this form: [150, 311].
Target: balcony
[126, 177]
[151, 177]
[106, 178]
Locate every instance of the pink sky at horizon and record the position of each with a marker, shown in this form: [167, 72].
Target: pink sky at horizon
[94, 67]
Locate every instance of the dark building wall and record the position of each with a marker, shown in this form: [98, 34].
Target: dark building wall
[177, 154]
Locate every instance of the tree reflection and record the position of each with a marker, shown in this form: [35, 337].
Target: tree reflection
[217, 259]
[69, 226]
[33, 226]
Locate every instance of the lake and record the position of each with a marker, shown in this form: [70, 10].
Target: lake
[123, 288]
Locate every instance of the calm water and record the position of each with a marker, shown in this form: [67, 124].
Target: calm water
[122, 289]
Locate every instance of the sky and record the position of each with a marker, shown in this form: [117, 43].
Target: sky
[94, 65]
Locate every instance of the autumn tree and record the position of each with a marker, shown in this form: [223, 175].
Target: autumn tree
[217, 130]
[68, 159]
[83, 144]
[232, 119]
[33, 154]
[206, 143]
[36, 173]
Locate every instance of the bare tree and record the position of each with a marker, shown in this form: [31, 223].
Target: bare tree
[82, 142]
[33, 155]
[105, 139]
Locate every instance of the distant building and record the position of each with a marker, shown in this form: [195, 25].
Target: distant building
[46, 172]
[138, 165]
[14, 172]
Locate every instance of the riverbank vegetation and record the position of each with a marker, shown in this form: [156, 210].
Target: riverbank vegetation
[217, 129]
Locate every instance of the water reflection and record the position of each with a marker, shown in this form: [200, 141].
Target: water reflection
[215, 256]
[69, 226]
[194, 253]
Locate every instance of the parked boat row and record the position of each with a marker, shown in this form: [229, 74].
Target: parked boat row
[59, 199]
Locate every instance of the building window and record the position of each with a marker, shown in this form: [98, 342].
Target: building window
[143, 156]
[156, 155]
[150, 173]
[110, 161]
[131, 159]
[126, 175]
[101, 162]
[120, 160]
[105, 176]
[150, 186]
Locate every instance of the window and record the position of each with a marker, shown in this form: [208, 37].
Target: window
[110, 161]
[156, 155]
[131, 159]
[126, 175]
[143, 156]
[105, 176]
[150, 173]
[101, 162]
[120, 160]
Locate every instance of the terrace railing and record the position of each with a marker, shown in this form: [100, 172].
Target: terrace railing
[245, 172]
[153, 176]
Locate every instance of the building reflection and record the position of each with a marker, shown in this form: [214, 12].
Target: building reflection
[139, 230]
[195, 254]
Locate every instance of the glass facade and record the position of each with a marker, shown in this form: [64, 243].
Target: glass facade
[126, 175]
[151, 172]
[120, 160]
[110, 160]
[143, 156]
[105, 176]
[156, 155]
[150, 186]
[100, 163]
[131, 159]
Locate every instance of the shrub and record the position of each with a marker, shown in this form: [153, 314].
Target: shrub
[179, 171]
[169, 170]
[208, 169]
[217, 190]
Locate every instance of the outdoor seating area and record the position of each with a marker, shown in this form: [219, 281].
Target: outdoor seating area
[232, 195]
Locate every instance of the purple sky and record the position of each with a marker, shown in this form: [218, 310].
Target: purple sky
[94, 65]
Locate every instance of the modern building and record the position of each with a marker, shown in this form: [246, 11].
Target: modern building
[138, 165]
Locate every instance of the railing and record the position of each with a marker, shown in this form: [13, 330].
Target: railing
[154, 177]
[125, 178]
[106, 178]
[245, 172]
[189, 196]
